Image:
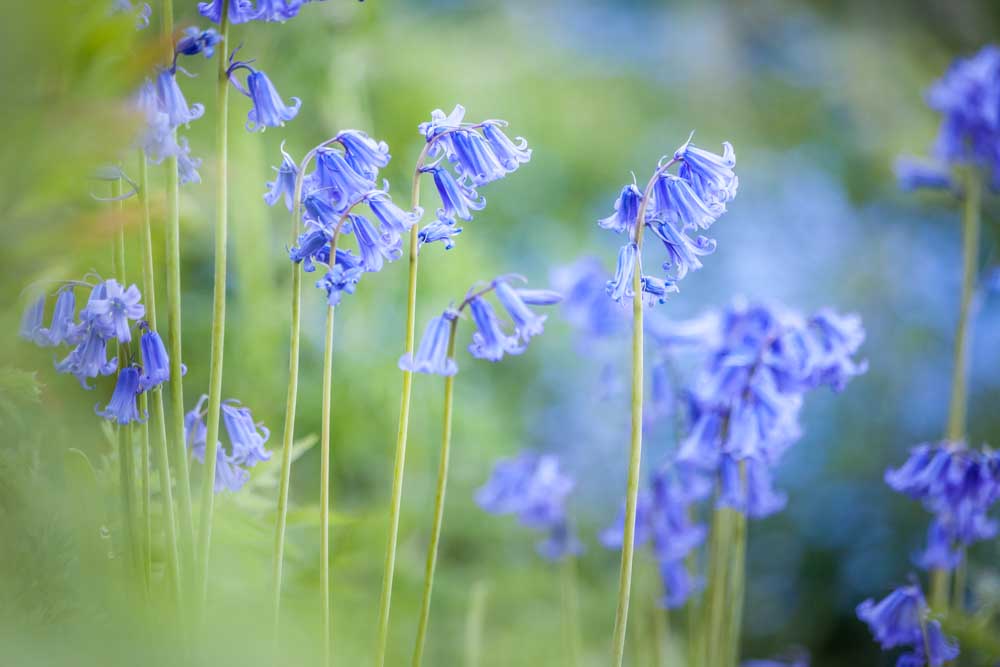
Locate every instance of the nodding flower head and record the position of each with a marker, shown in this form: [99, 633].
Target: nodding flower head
[489, 341]
[341, 278]
[750, 493]
[172, 101]
[114, 307]
[343, 186]
[682, 251]
[319, 210]
[374, 245]
[246, 437]
[155, 360]
[63, 326]
[197, 41]
[31, 322]
[283, 185]
[268, 109]
[675, 200]
[527, 323]
[626, 211]
[122, 407]
[90, 357]
[393, 219]
[439, 231]
[246, 441]
[508, 153]
[365, 155]
[620, 288]
[432, 354]
[311, 245]
[457, 199]
[240, 11]
[711, 176]
[901, 619]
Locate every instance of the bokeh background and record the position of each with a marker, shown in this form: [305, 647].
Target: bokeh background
[818, 99]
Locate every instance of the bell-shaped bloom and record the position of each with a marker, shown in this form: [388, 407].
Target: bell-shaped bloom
[896, 620]
[187, 166]
[711, 176]
[283, 185]
[374, 245]
[489, 341]
[457, 199]
[172, 101]
[531, 486]
[340, 279]
[246, 438]
[365, 155]
[229, 475]
[344, 186]
[678, 584]
[922, 174]
[240, 11]
[141, 17]
[432, 354]
[656, 290]
[279, 10]
[155, 360]
[474, 158]
[319, 210]
[63, 327]
[439, 231]
[195, 430]
[527, 323]
[441, 123]
[626, 211]
[508, 153]
[393, 219]
[116, 308]
[90, 357]
[620, 287]
[31, 322]
[683, 252]
[586, 306]
[197, 41]
[157, 139]
[560, 543]
[836, 339]
[269, 110]
[311, 245]
[675, 200]
[122, 406]
[755, 496]
[940, 551]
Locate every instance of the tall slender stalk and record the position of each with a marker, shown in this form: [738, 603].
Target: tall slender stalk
[185, 521]
[218, 312]
[958, 404]
[442, 483]
[399, 460]
[145, 491]
[570, 612]
[713, 633]
[291, 400]
[474, 622]
[324, 482]
[158, 417]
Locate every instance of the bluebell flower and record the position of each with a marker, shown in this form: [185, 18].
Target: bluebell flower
[340, 279]
[283, 185]
[90, 357]
[319, 209]
[490, 342]
[457, 199]
[374, 245]
[365, 155]
[344, 186]
[311, 245]
[561, 543]
[918, 174]
[836, 339]
[187, 166]
[940, 551]
[122, 406]
[393, 219]
[197, 41]
[474, 158]
[440, 123]
[279, 10]
[711, 176]
[31, 322]
[675, 200]
[626, 211]
[619, 288]
[656, 289]
[246, 437]
[268, 109]
[585, 305]
[896, 619]
[240, 11]
[439, 231]
[117, 306]
[508, 153]
[157, 139]
[679, 584]
[755, 496]
[432, 354]
[527, 323]
[172, 101]
[155, 361]
[63, 328]
[230, 468]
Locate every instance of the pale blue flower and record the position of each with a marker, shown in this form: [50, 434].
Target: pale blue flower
[268, 109]
[374, 245]
[155, 361]
[527, 323]
[246, 437]
[711, 176]
[122, 406]
[63, 326]
[365, 155]
[620, 287]
[283, 185]
[626, 211]
[490, 342]
[432, 354]
[439, 231]
[172, 102]
[457, 199]
[31, 322]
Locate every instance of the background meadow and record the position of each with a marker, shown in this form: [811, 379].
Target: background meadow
[817, 98]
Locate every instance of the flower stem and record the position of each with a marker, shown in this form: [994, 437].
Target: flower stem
[218, 314]
[158, 414]
[291, 400]
[474, 621]
[570, 612]
[737, 583]
[399, 459]
[442, 483]
[179, 454]
[324, 485]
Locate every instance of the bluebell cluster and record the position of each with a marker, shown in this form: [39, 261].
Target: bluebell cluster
[246, 443]
[491, 340]
[901, 619]
[533, 488]
[242, 11]
[675, 207]
[477, 154]
[108, 317]
[958, 486]
[968, 99]
[344, 178]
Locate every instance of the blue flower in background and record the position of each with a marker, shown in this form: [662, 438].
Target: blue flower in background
[365, 155]
[63, 328]
[142, 16]
[901, 619]
[122, 407]
[31, 322]
[283, 185]
[155, 360]
[918, 173]
[586, 306]
[490, 342]
[172, 101]
[268, 109]
[246, 437]
[279, 10]
[527, 323]
[432, 354]
[90, 357]
[439, 231]
[187, 166]
[755, 496]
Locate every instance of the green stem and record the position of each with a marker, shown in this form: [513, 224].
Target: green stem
[145, 490]
[442, 483]
[570, 612]
[715, 598]
[158, 418]
[474, 622]
[961, 572]
[218, 313]
[291, 400]
[399, 460]
[324, 484]
[737, 581]
[179, 454]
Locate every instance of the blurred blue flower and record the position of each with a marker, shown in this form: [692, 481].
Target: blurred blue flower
[490, 342]
[187, 166]
[432, 354]
[122, 406]
[172, 102]
[240, 11]
[246, 442]
[31, 322]
[917, 173]
[197, 41]
[656, 289]
[155, 360]
[246, 437]
[283, 185]
[142, 16]
[901, 619]
[754, 496]
[585, 305]
[268, 109]
[62, 328]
